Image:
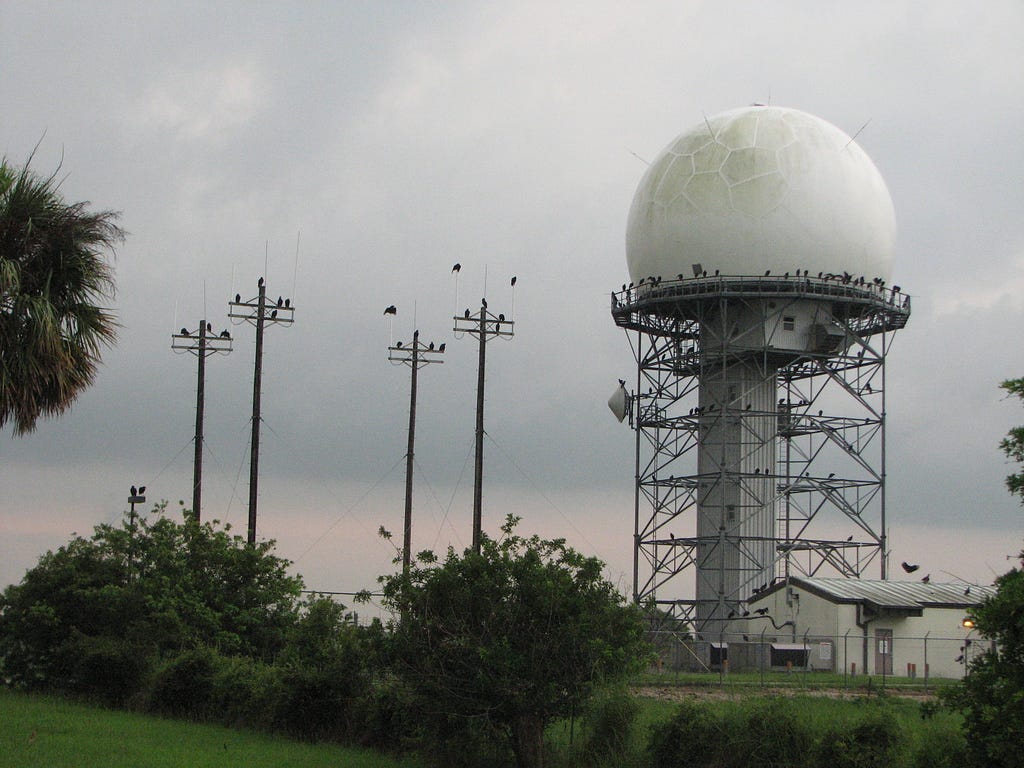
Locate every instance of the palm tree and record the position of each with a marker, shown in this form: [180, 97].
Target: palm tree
[53, 278]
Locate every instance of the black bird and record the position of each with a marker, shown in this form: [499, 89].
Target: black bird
[513, 281]
[850, 537]
[926, 578]
[430, 346]
[731, 614]
[134, 491]
[483, 303]
[761, 611]
[908, 567]
[467, 313]
[260, 283]
[457, 268]
[273, 315]
[501, 317]
[287, 302]
[184, 331]
[280, 301]
[967, 591]
[225, 335]
[391, 310]
[441, 348]
[142, 489]
[238, 298]
[767, 272]
[209, 327]
[746, 638]
[399, 345]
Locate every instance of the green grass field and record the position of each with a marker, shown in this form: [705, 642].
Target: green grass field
[38, 731]
[44, 732]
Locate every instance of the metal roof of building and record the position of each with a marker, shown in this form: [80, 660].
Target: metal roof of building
[896, 594]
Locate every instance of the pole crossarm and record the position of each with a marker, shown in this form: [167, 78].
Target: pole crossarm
[485, 325]
[198, 343]
[416, 353]
[248, 311]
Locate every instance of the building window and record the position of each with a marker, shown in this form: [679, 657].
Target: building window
[788, 323]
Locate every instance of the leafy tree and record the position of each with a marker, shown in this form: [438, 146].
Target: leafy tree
[1013, 443]
[52, 279]
[511, 638]
[90, 617]
[991, 696]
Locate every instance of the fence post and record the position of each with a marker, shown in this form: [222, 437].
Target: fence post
[846, 656]
[926, 660]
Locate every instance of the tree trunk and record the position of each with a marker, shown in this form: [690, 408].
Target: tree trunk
[528, 740]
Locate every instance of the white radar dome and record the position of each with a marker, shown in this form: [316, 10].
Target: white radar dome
[761, 188]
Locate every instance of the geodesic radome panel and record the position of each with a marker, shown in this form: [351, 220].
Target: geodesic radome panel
[761, 188]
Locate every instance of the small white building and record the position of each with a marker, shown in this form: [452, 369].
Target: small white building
[856, 626]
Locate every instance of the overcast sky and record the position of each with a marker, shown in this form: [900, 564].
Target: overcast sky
[352, 152]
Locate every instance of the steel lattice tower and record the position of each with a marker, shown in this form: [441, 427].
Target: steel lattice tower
[759, 413]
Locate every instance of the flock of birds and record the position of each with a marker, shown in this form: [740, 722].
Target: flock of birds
[209, 329]
[845, 278]
[391, 309]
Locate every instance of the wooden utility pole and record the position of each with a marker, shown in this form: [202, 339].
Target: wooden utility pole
[202, 346]
[416, 356]
[484, 326]
[255, 311]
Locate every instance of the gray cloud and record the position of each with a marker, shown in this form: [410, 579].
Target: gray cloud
[393, 141]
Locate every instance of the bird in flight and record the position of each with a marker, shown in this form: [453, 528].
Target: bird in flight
[391, 310]
[908, 567]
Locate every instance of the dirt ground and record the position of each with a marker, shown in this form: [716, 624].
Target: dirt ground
[712, 693]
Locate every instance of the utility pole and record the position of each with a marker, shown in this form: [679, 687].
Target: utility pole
[202, 346]
[255, 311]
[416, 356]
[484, 326]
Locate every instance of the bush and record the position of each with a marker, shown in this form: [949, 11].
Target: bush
[183, 687]
[100, 668]
[872, 742]
[941, 748]
[609, 724]
[691, 739]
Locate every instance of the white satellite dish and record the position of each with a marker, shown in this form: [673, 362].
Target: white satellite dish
[617, 402]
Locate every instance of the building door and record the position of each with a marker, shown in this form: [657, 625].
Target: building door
[883, 651]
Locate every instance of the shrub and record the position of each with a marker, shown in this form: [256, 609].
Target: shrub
[609, 725]
[691, 739]
[183, 687]
[872, 742]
